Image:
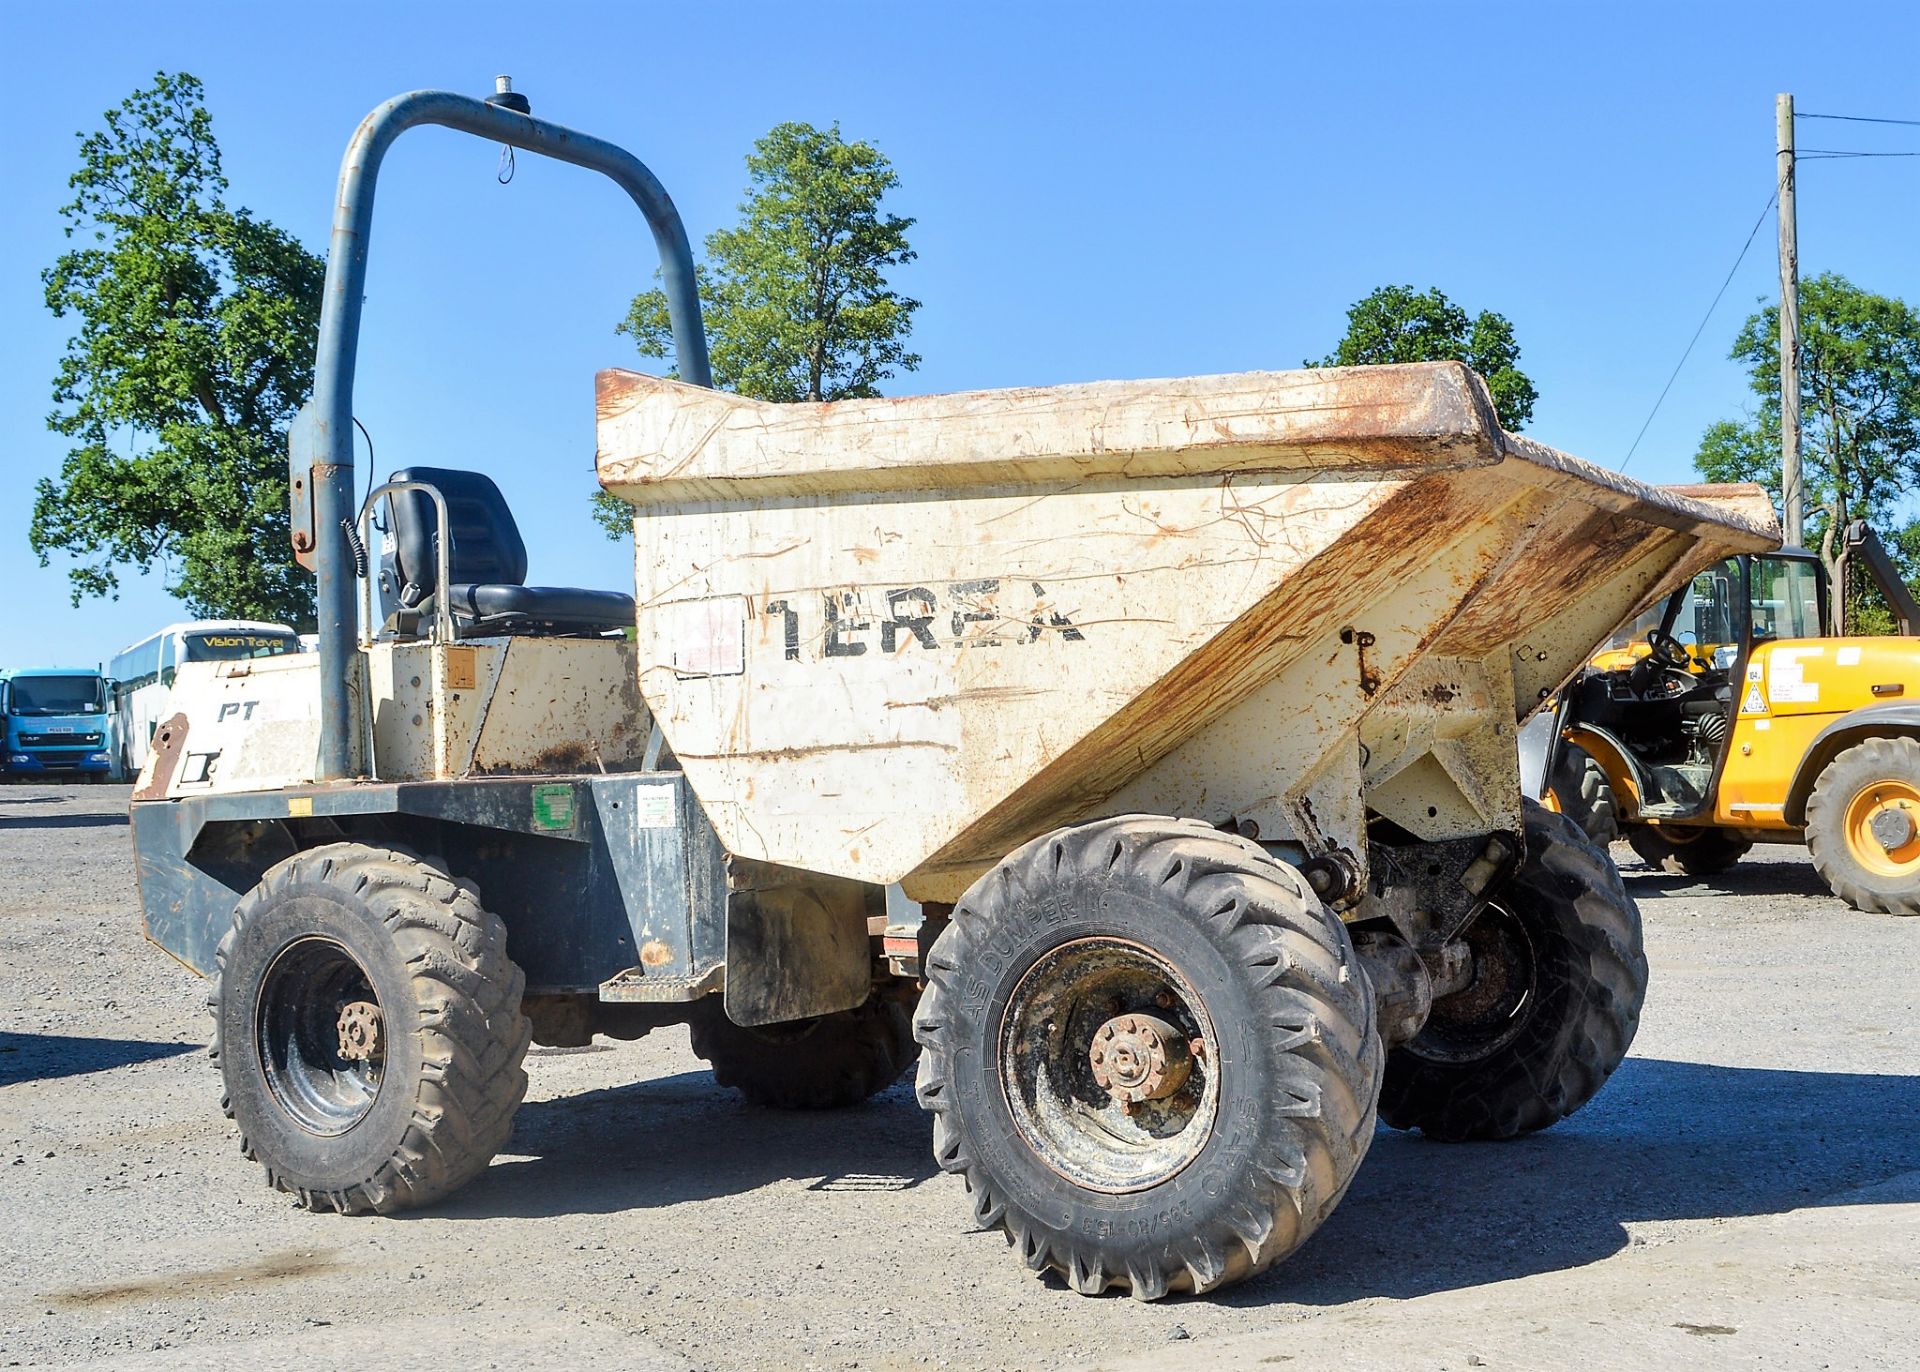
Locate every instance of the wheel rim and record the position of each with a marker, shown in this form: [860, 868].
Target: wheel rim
[1490, 1012]
[1883, 827]
[1144, 1110]
[320, 1034]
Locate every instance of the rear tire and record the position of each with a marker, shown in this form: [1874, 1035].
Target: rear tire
[1174, 933]
[367, 1026]
[1585, 796]
[1875, 783]
[1559, 976]
[826, 1063]
[1687, 852]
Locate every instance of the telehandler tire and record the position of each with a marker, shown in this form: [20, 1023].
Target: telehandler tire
[826, 1063]
[367, 1026]
[1585, 796]
[1151, 1052]
[1558, 979]
[1694, 852]
[1863, 826]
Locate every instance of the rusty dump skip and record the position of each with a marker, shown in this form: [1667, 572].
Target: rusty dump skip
[892, 639]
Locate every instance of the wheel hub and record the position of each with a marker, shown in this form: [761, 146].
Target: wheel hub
[1139, 1057]
[1882, 827]
[1892, 828]
[1493, 1007]
[320, 1035]
[1109, 1065]
[360, 1031]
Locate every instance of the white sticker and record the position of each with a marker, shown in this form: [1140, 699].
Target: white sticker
[1787, 684]
[1753, 704]
[653, 807]
[1759, 726]
[708, 637]
[1846, 657]
[1755, 672]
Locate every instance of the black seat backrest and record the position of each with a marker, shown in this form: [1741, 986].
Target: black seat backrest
[486, 542]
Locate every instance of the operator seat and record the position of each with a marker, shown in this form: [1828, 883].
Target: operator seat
[487, 565]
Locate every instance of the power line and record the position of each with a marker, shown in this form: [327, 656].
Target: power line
[1860, 119]
[1764, 210]
[1843, 152]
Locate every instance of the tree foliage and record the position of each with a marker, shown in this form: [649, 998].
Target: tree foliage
[797, 301]
[1859, 418]
[1400, 324]
[195, 326]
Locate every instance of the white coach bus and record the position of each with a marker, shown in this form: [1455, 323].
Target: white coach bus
[142, 675]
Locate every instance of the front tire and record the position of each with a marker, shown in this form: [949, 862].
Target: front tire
[1682, 851]
[367, 1026]
[1863, 826]
[1151, 1052]
[1558, 979]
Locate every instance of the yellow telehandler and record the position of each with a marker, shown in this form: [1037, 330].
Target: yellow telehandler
[1731, 714]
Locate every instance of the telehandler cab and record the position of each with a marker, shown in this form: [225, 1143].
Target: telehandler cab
[1731, 714]
[1139, 755]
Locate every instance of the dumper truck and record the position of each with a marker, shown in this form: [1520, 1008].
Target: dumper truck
[1137, 756]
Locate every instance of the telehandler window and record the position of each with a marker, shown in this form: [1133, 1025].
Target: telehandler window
[1786, 599]
[1706, 619]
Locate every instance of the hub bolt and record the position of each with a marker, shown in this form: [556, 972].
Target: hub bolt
[1143, 1058]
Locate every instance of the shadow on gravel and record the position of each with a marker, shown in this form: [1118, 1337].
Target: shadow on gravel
[682, 1138]
[1663, 1141]
[63, 821]
[32, 800]
[1744, 879]
[44, 1057]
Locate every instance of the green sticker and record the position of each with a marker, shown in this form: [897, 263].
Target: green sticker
[553, 808]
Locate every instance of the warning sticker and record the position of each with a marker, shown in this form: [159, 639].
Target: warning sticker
[1754, 704]
[653, 807]
[708, 637]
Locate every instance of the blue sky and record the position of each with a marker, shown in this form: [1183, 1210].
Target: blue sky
[1102, 191]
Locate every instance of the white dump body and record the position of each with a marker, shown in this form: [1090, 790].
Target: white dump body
[892, 639]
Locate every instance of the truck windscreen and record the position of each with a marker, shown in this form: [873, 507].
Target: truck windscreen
[58, 695]
[219, 647]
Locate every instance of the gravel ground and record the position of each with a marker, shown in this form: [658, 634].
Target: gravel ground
[1745, 1193]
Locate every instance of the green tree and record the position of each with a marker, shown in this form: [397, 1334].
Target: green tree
[193, 347]
[1400, 324]
[1860, 422]
[796, 297]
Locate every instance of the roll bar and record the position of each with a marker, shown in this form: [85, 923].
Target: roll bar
[442, 557]
[321, 442]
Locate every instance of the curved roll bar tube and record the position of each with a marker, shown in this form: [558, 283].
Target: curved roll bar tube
[323, 436]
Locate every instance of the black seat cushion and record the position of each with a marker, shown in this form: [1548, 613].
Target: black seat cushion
[487, 562]
[486, 541]
[558, 607]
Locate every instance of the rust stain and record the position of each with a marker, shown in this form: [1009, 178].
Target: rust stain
[169, 746]
[788, 754]
[234, 1279]
[654, 953]
[571, 756]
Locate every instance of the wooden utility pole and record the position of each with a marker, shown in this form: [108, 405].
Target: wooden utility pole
[1792, 493]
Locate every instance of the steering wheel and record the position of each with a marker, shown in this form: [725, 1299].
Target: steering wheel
[1667, 651]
